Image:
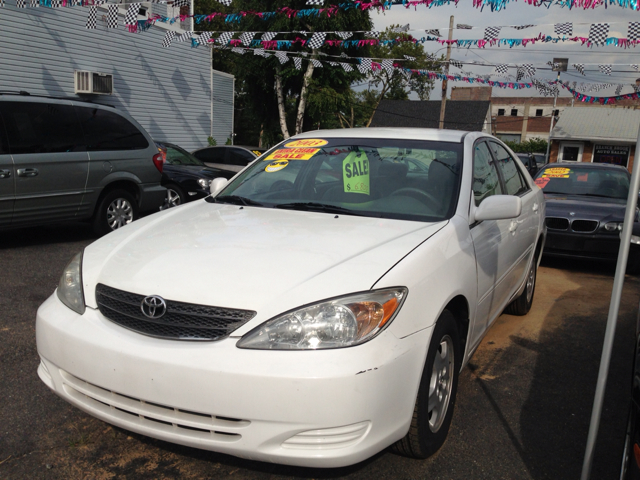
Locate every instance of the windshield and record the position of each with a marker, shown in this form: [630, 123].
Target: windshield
[577, 180]
[406, 179]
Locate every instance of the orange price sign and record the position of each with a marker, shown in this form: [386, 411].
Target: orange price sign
[306, 142]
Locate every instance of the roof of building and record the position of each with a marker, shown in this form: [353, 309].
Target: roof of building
[594, 123]
[459, 115]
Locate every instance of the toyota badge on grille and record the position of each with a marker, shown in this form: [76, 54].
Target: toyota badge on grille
[153, 306]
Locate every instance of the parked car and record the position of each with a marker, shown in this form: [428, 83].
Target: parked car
[232, 158]
[586, 203]
[184, 176]
[532, 162]
[321, 321]
[631, 454]
[64, 160]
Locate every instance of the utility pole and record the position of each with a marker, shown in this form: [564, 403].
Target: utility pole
[559, 65]
[443, 102]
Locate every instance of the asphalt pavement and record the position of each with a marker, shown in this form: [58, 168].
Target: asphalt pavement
[522, 412]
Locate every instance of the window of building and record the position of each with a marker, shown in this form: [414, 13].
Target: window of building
[538, 112]
[501, 112]
[556, 113]
[514, 112]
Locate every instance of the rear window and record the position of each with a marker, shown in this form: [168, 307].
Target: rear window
[105, 130]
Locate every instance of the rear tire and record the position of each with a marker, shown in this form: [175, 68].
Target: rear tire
[521, 305]
[116, 209]
[433, 411]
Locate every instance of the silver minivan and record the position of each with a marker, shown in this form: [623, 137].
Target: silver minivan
[64, 160]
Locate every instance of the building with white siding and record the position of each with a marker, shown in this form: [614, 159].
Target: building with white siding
[172, 92]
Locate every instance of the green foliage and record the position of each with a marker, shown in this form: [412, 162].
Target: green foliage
[228, 142]
[535, 145]
[212, 141]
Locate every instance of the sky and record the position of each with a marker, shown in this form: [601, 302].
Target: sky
[421, 18]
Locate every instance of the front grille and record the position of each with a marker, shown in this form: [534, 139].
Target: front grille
[556, 223]
[584, 226]
[161, 419]
[182, 321]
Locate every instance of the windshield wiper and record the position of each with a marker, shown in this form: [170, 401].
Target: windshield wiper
[237, 200]
[316, 207]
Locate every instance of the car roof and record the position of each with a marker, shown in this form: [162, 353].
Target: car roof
[383, 132]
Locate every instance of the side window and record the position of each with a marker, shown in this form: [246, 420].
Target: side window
[485, 176]
[512, 176]
[240, 157]
[105, 130]
[4, 144]
[212, 155]
[41, 127]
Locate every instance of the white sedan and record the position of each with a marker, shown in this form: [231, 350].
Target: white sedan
[313, 311]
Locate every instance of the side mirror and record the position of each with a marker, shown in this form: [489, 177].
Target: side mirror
[217, 184]
[498, 207]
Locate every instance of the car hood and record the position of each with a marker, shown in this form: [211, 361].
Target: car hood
[261, 259]
[586, 208]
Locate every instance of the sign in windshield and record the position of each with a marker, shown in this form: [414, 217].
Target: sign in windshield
[577, 180]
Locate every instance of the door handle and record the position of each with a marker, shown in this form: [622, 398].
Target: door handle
[513, 227]
[27, 172]
[535, 207]
[5, 173]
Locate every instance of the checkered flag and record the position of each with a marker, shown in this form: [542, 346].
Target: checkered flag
[563, 28]
[258, 52]
[387, 65]
[112, 18]
[92, 19]
[633, 32]
[618, 89]
[579, 67]
[56, 3]
[522, 27]
[297, 61]
[180, 3]
[365, 65]
[634, 66]
[316, 63]
[334, 64]
[315, 2]
[606, 69]
[184, 37]
[224, 38]
[344, 35]
[317, 40]
[35, 3]
[246, 38]
[463, 26]
[456, 63]
[372, 34]
[204, 38]
[131, 17]
[168, 38]
[525, 71]
[268, 36]
[347, 67]
[502, 69]
[434, 31]
[491, 33]
[241, 51]
[409, 57]
[21, 3]
[598, 33]
[282, 56]
[402, 29]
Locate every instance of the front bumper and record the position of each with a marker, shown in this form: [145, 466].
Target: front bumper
[327, 408]
[579, 245]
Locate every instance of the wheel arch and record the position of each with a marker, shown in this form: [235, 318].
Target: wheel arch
[122, 184]
[459, 308]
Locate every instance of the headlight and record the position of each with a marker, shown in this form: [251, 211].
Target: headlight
[70, 287]
[635, 239]
[341, 322]
[613, 226]
[204, 183]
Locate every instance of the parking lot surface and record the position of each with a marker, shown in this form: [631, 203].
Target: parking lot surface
[522, 411]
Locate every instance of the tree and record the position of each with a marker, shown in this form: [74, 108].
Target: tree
[395, 85]
[270, 91]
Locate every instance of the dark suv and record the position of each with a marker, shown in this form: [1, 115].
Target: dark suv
[66, 160]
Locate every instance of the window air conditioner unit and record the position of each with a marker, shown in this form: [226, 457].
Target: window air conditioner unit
[93, 82]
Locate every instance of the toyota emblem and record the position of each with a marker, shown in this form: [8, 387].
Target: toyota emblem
[153, 306]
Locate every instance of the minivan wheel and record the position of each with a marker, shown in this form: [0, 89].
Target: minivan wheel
[433, 410]
[116, 209]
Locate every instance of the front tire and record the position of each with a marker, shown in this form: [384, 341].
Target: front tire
[116, 209]
[433, 411]
[521, 305]
[175, 196]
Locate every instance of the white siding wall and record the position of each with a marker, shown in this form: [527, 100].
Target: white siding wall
[167, 90]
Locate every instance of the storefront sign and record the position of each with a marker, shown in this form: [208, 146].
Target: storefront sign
[614, 154]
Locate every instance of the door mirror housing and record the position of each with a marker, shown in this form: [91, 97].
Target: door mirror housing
[498, 207]
[217, 184]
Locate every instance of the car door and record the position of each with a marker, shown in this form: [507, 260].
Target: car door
[7, 179]
[491, 241]
[524, 229]
[50, 164]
